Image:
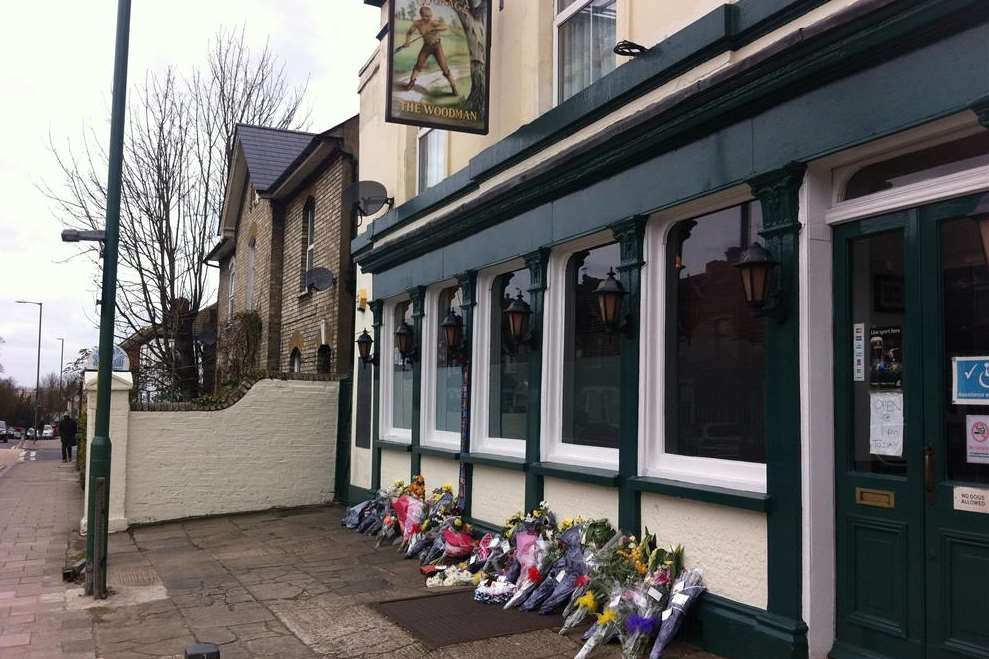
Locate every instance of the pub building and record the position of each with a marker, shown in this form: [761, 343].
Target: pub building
[730, 284]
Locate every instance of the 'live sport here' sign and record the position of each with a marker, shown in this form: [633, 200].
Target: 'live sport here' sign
[970, 380]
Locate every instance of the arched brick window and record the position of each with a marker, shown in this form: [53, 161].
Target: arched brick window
[308, 240]
[295, 361]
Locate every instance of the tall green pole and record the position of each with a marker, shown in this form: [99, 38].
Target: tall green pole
[97, 513]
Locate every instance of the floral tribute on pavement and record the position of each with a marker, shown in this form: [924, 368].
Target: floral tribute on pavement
[629, 589]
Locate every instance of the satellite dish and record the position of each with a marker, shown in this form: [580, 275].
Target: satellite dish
[320, 279]
[368, 197]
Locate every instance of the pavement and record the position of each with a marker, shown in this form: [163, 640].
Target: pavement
[277, 584]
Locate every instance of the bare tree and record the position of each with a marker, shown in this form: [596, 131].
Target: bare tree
[180, 139]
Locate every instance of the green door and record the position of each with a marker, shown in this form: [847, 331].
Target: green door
[912, 488]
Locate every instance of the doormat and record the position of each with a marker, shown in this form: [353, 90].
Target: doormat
[451, 618]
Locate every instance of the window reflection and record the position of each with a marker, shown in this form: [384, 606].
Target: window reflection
[717, 356]
[401, 401]
[449, 374]
[591, 354]
[508, 389]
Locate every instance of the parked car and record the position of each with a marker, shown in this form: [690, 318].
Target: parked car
[47, 432]
[30, 433]
[3, 431]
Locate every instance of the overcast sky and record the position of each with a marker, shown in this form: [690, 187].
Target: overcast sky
[57, 66]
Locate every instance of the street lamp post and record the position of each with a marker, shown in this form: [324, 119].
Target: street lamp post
[97, 511]
[37, 375]
[61, 365]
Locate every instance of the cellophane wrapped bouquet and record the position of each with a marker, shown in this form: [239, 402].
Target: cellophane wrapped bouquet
[438, 507]
[647, 600]
[618, 575]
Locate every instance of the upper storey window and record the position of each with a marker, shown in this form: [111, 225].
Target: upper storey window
[585, 37]
[432, 157]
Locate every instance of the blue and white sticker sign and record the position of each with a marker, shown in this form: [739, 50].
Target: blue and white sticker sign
[970, 380]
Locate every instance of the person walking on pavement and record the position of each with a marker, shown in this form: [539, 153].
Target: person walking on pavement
[67, 433]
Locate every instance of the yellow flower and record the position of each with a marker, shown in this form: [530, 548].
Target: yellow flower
[478, 577]
[609, 616]
[587, 601]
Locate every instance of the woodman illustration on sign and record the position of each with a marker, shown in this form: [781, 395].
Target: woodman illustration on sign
[438, 64]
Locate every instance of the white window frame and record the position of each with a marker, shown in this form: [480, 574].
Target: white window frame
[654, 460]
[443, 150]
[481, 441]
[252, 255]
[552, 447]
[389, 432]
[231, 286]
[559, 18]
[432, 316]
[309, 219]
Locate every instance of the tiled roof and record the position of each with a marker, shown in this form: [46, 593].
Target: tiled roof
[269, 151]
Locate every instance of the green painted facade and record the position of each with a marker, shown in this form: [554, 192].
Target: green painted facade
[835, 85]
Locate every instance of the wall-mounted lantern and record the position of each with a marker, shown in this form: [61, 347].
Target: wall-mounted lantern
[757, 269]
[610, 293]
[405, 342]
[518, 313]
[364, 345]
[453, 328]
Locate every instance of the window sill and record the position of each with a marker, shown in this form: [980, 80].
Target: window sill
[591, 475]
[492, 460]
[437, 452]
[390, 445]
[706, 493]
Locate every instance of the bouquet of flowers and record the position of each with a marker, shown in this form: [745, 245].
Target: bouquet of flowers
[408, 507]
[607, 625]
[494, 591]
[562, 574]
[687, 589]
[458, 541]
[593, 586]
[450, 576]
[648, 600]
[353, 515]
[545, 553]
[438, 507]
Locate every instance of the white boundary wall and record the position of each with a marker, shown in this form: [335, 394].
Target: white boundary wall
[275, 447]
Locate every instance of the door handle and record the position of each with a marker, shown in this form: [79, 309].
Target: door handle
[929, 477]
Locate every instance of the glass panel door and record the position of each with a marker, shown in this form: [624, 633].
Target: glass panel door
[955, 263]
[878, 435]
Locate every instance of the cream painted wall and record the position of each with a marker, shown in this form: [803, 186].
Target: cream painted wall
[729, 544]
[568, 499]
[275, 447]
[497, 494]
[439, 471]
[649, 22]
[394, 467]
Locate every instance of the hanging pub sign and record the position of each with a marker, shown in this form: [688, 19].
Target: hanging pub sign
[438, 64]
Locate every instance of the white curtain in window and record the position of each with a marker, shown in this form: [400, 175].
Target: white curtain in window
[585, 43]
[432, 158]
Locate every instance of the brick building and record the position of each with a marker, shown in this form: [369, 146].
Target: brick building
[282, 218]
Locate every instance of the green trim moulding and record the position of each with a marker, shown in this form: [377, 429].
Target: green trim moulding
[706, 493]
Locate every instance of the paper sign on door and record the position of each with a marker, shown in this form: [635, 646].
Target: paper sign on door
[977, 438]
[886, 423]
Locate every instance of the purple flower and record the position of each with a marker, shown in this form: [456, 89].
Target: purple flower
[636, 624]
